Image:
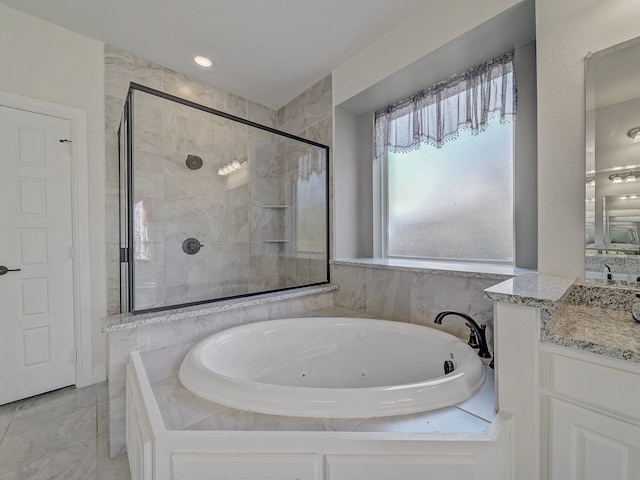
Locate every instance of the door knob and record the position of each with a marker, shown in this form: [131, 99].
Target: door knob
[4, 270]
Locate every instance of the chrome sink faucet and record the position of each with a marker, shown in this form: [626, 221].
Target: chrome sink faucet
[479, 331]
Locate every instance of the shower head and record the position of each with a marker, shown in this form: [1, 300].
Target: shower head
[194, 162]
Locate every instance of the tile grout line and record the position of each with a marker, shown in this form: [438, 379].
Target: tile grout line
[97, 456]
[4, 433]
[473, 414]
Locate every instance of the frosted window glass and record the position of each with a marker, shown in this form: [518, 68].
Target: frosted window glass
[455, 202]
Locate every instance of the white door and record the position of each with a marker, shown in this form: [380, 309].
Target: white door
[36, 302]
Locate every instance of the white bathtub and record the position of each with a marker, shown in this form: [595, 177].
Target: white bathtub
[332, 368]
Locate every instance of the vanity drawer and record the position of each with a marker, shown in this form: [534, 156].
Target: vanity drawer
[613, 389]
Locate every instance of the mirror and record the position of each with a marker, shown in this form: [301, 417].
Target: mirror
[612, 228]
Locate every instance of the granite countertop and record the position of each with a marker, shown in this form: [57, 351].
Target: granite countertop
[532, 290]
[127, 321]
[599, 330]
[584, 316]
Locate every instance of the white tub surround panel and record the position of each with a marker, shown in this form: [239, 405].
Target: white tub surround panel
[517, 330]
[160, 452]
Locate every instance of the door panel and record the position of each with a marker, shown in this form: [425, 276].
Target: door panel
[36, 303]
[585, 445]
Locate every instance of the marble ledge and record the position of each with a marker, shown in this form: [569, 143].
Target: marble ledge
[128, 321]
[457, 269]
[532, 290]
[612, 333]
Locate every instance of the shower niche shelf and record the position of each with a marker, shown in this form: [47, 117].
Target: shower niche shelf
[281, 209]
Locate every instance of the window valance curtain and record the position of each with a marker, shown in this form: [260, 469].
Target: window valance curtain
[436, 114]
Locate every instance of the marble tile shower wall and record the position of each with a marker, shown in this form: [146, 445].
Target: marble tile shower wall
[176, 199]
[309, 115]
[409, 296]
[180, 203]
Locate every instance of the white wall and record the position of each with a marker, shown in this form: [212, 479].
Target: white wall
[566, 31]
[369, 243]
[345, 185]
[430, 27]
[43, 61]
[358, 151]
[525, 159]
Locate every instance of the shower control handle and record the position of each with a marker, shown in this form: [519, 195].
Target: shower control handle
[4, 270]
[191, 246]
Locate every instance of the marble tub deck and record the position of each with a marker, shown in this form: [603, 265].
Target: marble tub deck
[182, 410]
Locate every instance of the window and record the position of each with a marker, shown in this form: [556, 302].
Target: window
[454, 202]
[447, 157]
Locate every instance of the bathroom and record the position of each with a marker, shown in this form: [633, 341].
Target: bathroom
[563, 35]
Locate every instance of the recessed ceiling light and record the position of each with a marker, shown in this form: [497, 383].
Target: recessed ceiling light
[203, 61]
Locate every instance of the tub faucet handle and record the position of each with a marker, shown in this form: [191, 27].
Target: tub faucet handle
[473, 340]
[606, 271]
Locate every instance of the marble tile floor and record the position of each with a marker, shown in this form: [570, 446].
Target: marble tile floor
[59, 435]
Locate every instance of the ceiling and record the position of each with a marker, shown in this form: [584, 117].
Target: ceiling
[267, 51]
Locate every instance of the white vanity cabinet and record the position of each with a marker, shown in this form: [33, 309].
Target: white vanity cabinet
[405, 467]
[591, 407]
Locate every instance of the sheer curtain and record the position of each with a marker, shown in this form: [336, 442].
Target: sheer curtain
[436, 114]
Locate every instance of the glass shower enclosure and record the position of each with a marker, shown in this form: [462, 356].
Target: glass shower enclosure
[213, 206]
